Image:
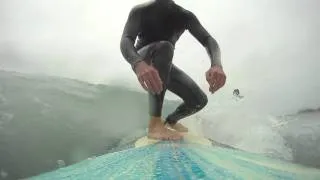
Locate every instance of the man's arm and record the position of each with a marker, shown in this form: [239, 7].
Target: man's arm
[215, 75]
[147, 75]
[129, 35]
[202, 35]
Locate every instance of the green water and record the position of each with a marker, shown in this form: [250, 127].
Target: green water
[46, 122]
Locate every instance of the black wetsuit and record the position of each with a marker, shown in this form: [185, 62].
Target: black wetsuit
[158, 25]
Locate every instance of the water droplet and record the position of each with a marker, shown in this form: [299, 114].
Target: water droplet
[91, 158]
[61, 163]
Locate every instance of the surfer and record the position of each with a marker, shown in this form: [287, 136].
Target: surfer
[158, 24]
[236, 94]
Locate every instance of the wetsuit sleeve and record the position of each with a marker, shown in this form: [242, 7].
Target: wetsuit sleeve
[128, 38]
[202, 35]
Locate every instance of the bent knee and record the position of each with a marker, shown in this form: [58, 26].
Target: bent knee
[165, 46]
[202, 101]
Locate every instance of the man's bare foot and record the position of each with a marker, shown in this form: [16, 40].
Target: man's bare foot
[179, 127]
[157, 130]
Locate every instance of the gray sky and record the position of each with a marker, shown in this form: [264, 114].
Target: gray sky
[269, 47]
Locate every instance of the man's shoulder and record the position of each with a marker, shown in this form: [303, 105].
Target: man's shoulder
[141, 6]
[184, 11]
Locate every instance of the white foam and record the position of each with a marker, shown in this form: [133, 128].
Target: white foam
[247, 131]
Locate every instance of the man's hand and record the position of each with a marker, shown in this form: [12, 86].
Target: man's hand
[216, 78]
[148, 77]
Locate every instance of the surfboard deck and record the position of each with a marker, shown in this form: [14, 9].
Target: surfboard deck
[188, 138]
[191, 158]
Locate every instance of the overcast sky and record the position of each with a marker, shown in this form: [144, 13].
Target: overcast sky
[270, 48]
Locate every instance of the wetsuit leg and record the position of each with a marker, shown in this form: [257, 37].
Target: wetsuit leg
[194, 99]
[160, 55]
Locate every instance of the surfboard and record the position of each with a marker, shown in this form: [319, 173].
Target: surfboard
[193, 157]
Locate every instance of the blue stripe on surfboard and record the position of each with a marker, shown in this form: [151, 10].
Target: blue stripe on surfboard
[184, 167]
[196, 169]
[164, 164]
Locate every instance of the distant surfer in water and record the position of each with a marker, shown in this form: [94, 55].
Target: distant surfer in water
[236, 93]
[158, 24]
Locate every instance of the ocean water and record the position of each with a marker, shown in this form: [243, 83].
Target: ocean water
[50, 122]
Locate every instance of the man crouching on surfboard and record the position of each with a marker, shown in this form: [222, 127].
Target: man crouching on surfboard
[158, 24]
